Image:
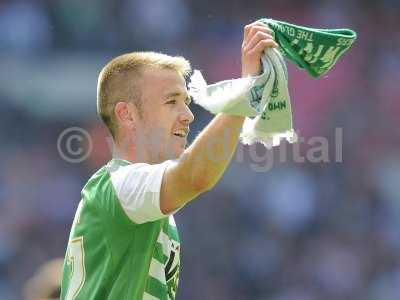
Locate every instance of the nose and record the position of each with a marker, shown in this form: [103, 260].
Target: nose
[186, 116]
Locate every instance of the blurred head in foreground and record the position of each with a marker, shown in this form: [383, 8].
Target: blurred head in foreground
[45, 283]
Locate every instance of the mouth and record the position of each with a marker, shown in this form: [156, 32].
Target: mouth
[181, 133]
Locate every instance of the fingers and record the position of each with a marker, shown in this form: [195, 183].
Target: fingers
[248, 28]
[254, 34]
[260, 47]
[257, 37]
[251, 29]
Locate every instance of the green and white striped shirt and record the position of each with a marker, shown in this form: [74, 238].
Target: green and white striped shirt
[121, 246]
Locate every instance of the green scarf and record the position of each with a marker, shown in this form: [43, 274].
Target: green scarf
[315, 50]
[265, 99]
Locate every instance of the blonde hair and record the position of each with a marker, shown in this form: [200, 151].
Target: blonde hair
[118, 80]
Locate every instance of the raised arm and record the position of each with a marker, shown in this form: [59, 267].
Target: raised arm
[203, 163]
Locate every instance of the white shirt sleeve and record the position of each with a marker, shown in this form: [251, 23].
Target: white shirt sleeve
[138, 188]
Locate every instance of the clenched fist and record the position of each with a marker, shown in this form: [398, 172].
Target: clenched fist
[256, 37]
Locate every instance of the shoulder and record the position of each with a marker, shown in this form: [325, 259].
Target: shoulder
[137, 189]
[127, 177]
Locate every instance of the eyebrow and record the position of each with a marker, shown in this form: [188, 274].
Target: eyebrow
[188, 99]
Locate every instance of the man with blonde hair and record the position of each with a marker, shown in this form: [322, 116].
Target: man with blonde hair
[124, 243]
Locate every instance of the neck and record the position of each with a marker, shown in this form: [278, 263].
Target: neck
[128, 150]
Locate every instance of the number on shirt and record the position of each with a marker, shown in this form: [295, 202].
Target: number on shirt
[76, 259]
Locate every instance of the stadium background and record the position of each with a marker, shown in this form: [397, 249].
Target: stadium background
[301, 231]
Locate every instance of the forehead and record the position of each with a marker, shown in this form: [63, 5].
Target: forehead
[158, 83]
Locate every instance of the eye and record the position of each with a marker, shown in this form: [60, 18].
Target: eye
[172, 101]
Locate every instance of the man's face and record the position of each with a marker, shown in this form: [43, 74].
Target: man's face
[162, 131]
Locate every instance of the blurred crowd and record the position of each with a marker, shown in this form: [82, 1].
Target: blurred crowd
[327, 230]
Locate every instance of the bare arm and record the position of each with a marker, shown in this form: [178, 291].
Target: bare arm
[204, 162]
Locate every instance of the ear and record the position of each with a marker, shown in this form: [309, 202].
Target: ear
[124, 114]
